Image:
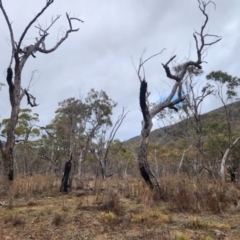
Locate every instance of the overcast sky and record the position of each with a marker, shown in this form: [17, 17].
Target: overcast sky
[100, 54]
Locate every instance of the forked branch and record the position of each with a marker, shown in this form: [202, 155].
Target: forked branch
[31, 100]
[43, 32]
[201, 44]
[70, 19]
[141, 65]
[113, 132]
[49, 2]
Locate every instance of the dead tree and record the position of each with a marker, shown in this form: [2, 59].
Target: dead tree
[19, 56]
[65, 179]
[175, 97]
[101, 150]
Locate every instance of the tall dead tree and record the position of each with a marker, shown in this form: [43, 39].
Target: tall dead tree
[19, 56]
[175, 97]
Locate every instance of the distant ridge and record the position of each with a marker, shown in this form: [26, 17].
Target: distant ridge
[161, 135]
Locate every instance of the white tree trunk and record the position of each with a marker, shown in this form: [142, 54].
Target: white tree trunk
[80, 165]
[224, 159]
[183, 155]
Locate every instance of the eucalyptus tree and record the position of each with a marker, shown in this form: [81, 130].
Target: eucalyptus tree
[61, 137]
[26, 127]
[75, 127]
[176, 94]
[18, 58]
[70, 123]
[26, 134]
[226, 89]
[100, 107]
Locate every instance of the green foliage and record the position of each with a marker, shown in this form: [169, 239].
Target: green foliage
[78, 121]
[100, 107]
[25, 126]
[216, 140]
[223, 78]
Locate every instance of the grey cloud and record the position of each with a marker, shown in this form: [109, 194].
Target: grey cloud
[99, 55]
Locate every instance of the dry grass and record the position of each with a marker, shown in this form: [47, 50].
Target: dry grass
[14, 220]
[184, 195]
[117, 209]
[37, 185]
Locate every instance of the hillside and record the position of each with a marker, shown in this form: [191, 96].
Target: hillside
[174, 132]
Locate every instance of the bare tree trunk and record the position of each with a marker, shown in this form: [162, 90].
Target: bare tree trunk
[79, 170]
[126, 168]
[181, 162]
[83, 156]
[103, 169]
[224, 159]
[143, 165]
[101, 163]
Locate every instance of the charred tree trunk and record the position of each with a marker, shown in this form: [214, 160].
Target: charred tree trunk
[8, 174]
[7, 150]
[143, 165]
[232, 171]
[144, 168]
[65, 179]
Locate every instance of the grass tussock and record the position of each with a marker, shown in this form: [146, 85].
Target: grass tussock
[112, 203]
[58, 218]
